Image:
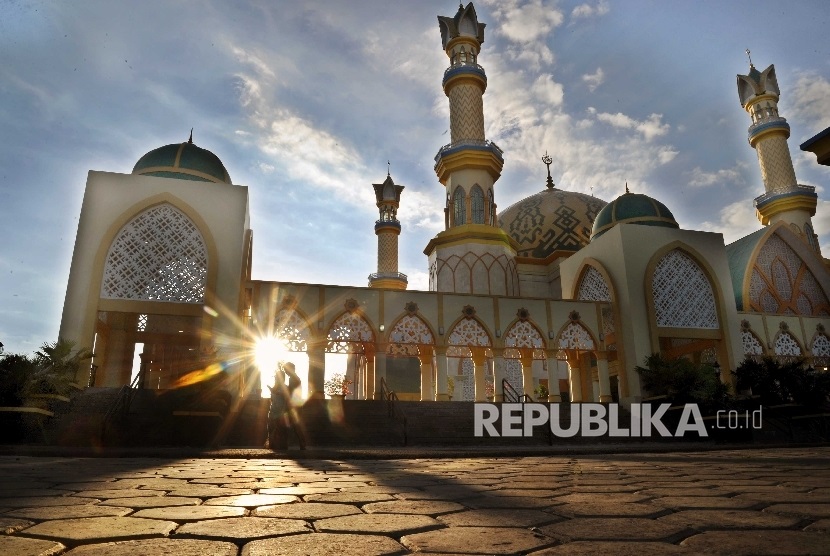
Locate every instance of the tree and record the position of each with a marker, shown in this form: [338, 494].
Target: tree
[52, 370]
[683, 381]
[778, 383]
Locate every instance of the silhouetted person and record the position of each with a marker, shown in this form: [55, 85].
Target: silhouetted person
[295, 393]
[277, 427]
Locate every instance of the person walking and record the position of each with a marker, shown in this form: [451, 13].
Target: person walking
[277, 428]
[294, 396]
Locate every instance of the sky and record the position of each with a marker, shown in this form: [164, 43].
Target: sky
[305, 102]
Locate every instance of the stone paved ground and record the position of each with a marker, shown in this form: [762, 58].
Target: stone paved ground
[757, 501]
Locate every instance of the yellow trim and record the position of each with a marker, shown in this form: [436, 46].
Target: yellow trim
[177, 170]
[473, 159]
[481, 234]
[465, 78]
[767, 132]
[388, 284]
[785, 204]
[178, 159]
[758, 98]
[463, 40]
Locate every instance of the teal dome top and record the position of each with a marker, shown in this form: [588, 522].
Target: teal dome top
[633, 208]
[183, 161]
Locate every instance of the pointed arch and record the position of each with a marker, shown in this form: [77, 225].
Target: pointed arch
[477, 205]
[349, 333]
[786, 345]
[575, 336]
[784, 276]
[408, 334]
[524, 335]
[459, 207]
[160, 254]
[291, 326]
[820, 349]
[681, 292]
[752, 345]
[465, 333]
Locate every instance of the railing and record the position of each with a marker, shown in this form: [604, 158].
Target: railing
[394, 411]
[466, 65]
[797, 188]
[511, 395]
[120, 408]
[486, 143]
[394, 275]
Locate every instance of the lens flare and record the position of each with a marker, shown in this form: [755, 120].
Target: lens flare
[199, 375]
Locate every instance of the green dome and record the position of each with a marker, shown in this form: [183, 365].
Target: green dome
[183, 161]
[633, 208]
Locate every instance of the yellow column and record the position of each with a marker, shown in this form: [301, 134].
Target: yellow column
[527, 372]
[553, 378]
[425, 356]
[316, 369]
[604, 379]
[380, 369]
[480, 362]
[369, 380]
[574, 378]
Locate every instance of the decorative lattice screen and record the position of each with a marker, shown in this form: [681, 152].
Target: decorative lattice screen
[821, 346]
[468, 332]
[785, 344]
[575, 336]
[408, 332]
[593, 287]
[751, 344]
[347, 334]
[682, 294]
[159, 255]
[292, 329]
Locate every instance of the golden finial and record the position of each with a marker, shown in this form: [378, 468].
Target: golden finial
[626, 187]
[388, 168]
[748, 55]
[190, 141]
[548, 160]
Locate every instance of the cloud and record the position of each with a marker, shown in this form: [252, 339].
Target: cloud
[587, 10]
[809, 102]
[650, 128]
[527, 26]
[594, 80]
[734, 221]
[724, 176]
[546, 90]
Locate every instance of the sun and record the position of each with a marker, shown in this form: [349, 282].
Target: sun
[267, 353]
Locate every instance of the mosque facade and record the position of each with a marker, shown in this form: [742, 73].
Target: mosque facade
[561, 289]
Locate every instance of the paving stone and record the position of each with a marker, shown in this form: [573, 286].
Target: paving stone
[90, 529]
[669, 491]
[21, 546]
[324, 544]
[728, 519]
[152, 502]
[157, 547]
[608, 507]
[119, 493]
[67, 512]
[9, 525]
[252, 500]
[704, 502]
[821, 526]
[44, 501]
[757, 543]
[587, 498]
[483, 502]
[243, 528]
[603, 489]
[208, 491]
[476, 540]
[530, 493]
[622, 548]
[611, 529]
[298, 490]
[498, 518]
[309, 511]
[807, 510]
[384, 524]
[349, 497]
[14, 493]
[190, 513]
[416, 507]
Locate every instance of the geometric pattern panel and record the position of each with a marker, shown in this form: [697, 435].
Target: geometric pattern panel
[523, 335]
[751, 344]
[593, 286]
[481, 274]
[292, 330]
[466, 113]
[159, 255]
[781, 283]
[513, 374]
[682, 294]
[785, 344]
[821, 346]
[411, 329]
[468, 332]
[348, 332]
[575, 336]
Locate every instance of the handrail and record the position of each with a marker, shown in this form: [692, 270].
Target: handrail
[394, 410]
[120, 408]
[511, 395]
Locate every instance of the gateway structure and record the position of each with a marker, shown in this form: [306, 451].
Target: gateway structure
[560, 289]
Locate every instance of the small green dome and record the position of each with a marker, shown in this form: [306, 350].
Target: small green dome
[633, 208]
[183, 161]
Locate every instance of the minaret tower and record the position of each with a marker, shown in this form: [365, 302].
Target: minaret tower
[472, 254]
[784, 199]
[388, 228]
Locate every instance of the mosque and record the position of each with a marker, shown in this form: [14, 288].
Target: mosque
[561, 289]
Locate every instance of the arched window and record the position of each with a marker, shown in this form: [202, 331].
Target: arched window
[458, 208]
[159, 255]
[477, 202]
[682, 294]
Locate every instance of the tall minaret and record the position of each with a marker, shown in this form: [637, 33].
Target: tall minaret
[784, 199]
[472, 254]
[387, 228]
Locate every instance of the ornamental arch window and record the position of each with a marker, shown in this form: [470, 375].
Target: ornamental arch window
[477, 205]
[159, 255]
[682, 293]
[459, 209]
[348, 334]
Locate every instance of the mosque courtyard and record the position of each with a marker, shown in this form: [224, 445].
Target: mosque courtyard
[752, 501]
